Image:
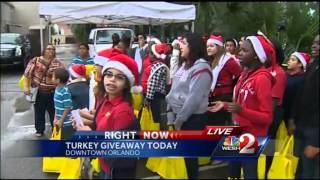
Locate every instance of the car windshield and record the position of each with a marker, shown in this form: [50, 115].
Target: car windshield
[10, 39]
[105, 36]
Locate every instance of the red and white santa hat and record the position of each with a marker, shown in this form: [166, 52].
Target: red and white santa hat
[154, 39]
[77, 70]
[304, 58]
[128, 67]
[218, 40]
[263, 48]
[103, 56]
[160, 50]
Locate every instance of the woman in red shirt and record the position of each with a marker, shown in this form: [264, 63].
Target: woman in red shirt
[225, 70]
[115, 111]
[252, 101]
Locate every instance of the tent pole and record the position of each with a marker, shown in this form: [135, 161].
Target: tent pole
[41, 36]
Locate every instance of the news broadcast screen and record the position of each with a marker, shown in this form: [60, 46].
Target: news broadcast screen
[221, 142]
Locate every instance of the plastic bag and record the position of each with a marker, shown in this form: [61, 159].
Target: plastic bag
[281, 137]
[146, 121]
[70, 169]
[284, 163]
[53, 164]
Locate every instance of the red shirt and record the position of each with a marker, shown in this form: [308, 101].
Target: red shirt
[281, 81]
[224, 82]
[114, 114]
[146, 73]
[252, 93]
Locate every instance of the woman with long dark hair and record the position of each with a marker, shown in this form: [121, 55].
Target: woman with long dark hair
[188, 97]
[115, 111]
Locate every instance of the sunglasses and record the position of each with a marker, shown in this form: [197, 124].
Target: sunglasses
[53, 49]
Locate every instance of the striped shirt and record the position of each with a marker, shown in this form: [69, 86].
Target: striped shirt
[40, 71]
[79, 60]
[62, 100]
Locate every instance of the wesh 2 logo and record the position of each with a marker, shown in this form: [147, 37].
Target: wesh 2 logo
[245, 144]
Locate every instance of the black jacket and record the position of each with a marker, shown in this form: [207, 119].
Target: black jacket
[306, 110]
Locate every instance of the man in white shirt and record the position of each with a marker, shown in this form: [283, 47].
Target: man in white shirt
[139, 53]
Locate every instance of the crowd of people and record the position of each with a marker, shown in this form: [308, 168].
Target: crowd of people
[195, 82]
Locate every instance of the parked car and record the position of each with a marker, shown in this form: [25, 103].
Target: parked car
[101, 38]
[15, 49]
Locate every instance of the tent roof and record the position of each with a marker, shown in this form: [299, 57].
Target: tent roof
[125, 13]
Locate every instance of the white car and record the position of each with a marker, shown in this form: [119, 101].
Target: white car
[101, 38]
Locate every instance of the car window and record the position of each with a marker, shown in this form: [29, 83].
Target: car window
[105, 36]
[11, 39]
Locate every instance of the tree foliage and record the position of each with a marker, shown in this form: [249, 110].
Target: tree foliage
[289, 22]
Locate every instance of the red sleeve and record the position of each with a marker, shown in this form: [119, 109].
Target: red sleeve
[280, 85]
[264, 113]
[122, 119]
[234, 68]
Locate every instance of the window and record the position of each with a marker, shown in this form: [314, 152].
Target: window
[11, 39]
[105, 36]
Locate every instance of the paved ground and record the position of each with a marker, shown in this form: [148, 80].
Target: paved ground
[17, 122]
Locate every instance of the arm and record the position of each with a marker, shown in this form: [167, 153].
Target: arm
[234, 68]
[64, 115]
[278, 88]
[264, 114]
[86, 115]
[193, 101]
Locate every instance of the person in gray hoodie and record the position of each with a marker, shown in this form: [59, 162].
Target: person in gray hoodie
[187, 100]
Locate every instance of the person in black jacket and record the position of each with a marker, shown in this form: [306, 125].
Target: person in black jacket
[305, 121]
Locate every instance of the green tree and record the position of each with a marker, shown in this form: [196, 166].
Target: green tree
[289, 22]
[82, 31]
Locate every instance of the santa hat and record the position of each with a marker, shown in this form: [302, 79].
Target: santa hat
[156, 40]
[128, 67]
[304, 58]
[177, 41]
[77, 70]
[160, 50]
[263, 48]
[103, 56]
[218, 40]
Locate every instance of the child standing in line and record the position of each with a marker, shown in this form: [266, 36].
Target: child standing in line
[62, 103]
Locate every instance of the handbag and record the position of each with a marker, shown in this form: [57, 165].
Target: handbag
[33, 95]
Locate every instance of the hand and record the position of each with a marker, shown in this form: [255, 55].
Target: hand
[26, 91]
[178, 125]
[291, 127]
[217, 106]
[311, 151]
[234, 108]
[57, 123]
[74, 123]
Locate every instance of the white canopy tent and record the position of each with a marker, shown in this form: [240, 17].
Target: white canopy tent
[120, 13]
